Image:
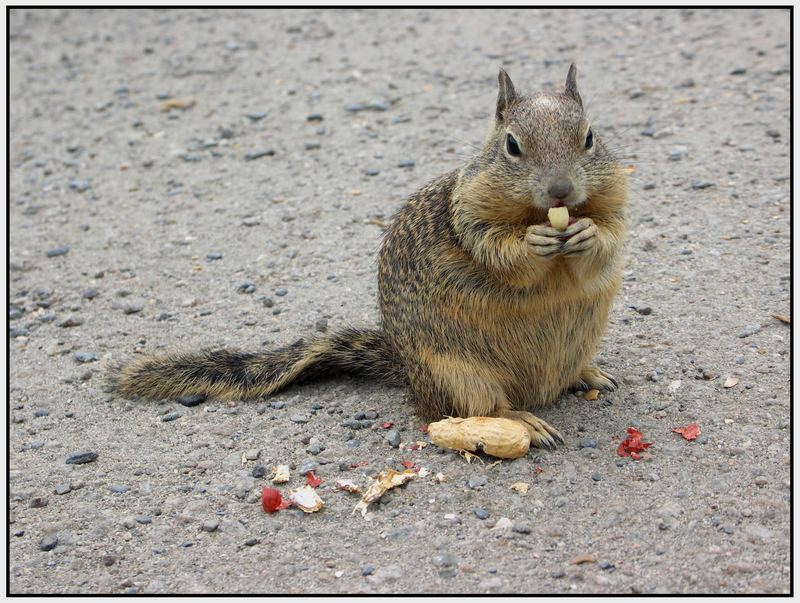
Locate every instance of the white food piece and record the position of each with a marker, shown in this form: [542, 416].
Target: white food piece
[306, 499]
[281, 474]
[559, 217]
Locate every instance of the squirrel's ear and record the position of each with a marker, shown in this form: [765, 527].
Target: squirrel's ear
[572, 85]
[505, 96]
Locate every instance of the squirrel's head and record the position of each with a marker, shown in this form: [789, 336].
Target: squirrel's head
[543, 147]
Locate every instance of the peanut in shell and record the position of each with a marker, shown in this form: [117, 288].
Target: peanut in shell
[503, 438]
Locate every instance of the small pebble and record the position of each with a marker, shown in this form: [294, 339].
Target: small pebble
[83, 356]
[748, 331]
[377, 105]
[37, 502]
[251, 542]
[372, 172]
[588, 443]
[597, 477]
[315, 447]
[245, 287]
[259, 470]
[315, 117]
[72, 321]
[252, 155]
[701, 184]
[252, 454]
[321, 325]
[143, 519]
[366, 569]
[281, 291]
[605, 564]
[214, 255]
[406, 163]
[558, 573]
[108, 560]
[57, 251]
[306, 467]
[192, 399]
[41, 413]
[210, 525]
[79, 458]
[521, 528]
[119, 488]
[476, 481]
[298, 419]
[90, 293]
[62, 488]
[644, 310]
[393, 437]
[266, 301]
[481, 513]
[256, 115]
[79, 185]
[354, 443]
[48, 543]
[170, 416]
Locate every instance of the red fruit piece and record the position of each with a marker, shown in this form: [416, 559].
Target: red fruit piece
[407, 464]
[633, 444]
[272, 500]
[386, 424]
[312, 479]
[690, 432]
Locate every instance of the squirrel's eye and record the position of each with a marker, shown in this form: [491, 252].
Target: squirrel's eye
[589, 139]
[512, 146]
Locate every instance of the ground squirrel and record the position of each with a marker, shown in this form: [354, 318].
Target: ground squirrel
[487, 309]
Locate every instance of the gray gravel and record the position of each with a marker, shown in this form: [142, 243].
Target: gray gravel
[143, 230]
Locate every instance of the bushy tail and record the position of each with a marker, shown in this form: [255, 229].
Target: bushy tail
[235, 375]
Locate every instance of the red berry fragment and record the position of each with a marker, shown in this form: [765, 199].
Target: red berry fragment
[272, 500]
[690, 432]
[312, 479]
[633, 444]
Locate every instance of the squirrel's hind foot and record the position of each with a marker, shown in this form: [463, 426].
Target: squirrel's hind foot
[595, 378]
[542, 434]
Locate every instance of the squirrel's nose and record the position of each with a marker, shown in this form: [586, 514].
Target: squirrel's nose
[561, 188]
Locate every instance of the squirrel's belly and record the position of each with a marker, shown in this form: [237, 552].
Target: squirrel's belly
[544, 350]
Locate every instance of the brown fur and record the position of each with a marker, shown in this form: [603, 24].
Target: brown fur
[478, 318]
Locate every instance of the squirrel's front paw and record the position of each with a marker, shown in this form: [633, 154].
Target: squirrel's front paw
[545, 241]
[580, 237]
